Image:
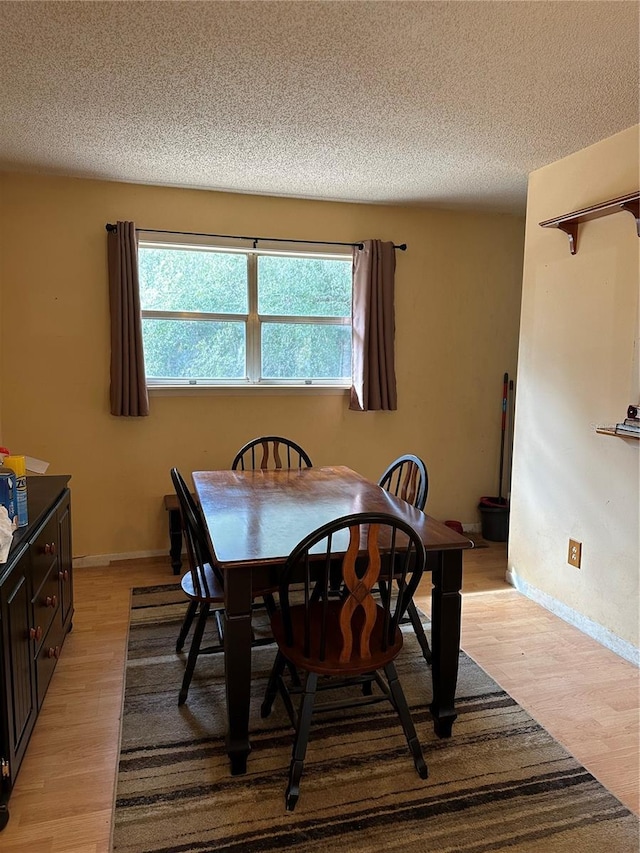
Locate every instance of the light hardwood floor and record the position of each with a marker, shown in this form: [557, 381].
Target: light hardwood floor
[586, 696]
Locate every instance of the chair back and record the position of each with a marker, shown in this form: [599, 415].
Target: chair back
[407, 478]
[270, 451]
[195, 536]
[345, 623]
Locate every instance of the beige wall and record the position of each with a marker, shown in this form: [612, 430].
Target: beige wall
[578, 325]
[458, 300]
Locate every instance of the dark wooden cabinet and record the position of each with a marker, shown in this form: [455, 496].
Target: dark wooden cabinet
[36, 613]
[19, 699]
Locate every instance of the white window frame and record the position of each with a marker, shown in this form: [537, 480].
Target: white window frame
[254, 322]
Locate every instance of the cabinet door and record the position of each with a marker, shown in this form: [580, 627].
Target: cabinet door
[65, 573]
[19, 665]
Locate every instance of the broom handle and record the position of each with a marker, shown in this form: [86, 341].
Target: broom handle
[505, 384]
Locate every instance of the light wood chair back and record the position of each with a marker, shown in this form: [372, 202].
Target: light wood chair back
[407, 478]
[268, 452]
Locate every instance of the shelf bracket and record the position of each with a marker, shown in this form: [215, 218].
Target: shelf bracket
[633, 207]
[570, 228]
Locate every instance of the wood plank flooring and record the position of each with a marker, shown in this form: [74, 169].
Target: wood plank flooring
[583, 694]
[587, 697]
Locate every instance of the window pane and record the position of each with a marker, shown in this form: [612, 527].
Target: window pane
[306, 287]
[192, 280]
[190, 349]
[306, 351]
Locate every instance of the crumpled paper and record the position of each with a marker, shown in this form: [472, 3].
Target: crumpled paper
[7, 528]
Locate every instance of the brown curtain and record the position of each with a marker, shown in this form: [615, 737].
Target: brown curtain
[373, 366]
[128, 385]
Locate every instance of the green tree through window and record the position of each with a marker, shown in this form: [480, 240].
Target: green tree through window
[211, 316]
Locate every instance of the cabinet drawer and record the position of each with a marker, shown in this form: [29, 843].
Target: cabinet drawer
[46, 604]
[43, 552]
[48, 658]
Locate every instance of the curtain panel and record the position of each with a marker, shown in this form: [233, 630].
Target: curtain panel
[129, 395]
[373, 360]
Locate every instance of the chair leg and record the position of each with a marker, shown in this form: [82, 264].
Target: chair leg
[269, 603]
[414, 616]
[194, 650]
[405, 718]
[272, 685]
[367, 688]
[293, 672]
[300, 745]
[383, 589]
[186, 625]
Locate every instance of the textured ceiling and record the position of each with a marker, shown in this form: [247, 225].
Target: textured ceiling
[447, 104]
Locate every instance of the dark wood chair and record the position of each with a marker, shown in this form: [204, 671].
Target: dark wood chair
[270, 451]
[407, 478]
[203, 584]
[345, 633]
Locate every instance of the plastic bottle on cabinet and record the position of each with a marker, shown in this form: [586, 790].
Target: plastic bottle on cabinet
[19, 467]
[7, 487]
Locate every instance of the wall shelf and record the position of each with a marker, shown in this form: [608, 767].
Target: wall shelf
[569, 222]
[612, 431]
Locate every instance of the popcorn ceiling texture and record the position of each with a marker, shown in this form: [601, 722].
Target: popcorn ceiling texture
[447, 104]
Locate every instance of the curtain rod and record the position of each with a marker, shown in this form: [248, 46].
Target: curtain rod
[112, 227]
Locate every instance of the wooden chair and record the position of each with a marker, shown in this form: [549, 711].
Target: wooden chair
[203, 585]
[407, 478]
[350, 637]
[270, 451]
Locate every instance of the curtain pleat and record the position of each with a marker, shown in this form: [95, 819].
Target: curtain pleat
[373, 360]
[129, 395]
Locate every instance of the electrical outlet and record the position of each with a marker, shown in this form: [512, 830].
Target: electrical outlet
[575, 553]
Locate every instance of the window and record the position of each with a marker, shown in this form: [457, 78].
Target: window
[218, 315]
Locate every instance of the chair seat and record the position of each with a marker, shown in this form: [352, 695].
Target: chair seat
[210, 590]
[331, 663]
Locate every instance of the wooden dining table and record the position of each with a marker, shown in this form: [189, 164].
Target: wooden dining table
[254, 520]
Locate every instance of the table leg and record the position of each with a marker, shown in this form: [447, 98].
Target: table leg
[237, 665]
[446, 607]
[175, 539]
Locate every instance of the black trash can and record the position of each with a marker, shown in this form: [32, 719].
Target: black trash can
[494, 516]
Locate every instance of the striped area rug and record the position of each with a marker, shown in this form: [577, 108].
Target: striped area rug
[500, 783]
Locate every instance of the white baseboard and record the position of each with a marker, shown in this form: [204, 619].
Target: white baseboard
[592, 629]
[106, 559]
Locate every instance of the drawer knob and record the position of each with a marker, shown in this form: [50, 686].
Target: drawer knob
[51, 601]
[64, 575]
[35, 633]
[50, 548]
[53, 652]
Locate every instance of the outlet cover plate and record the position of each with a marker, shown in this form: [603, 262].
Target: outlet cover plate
[574, 557]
